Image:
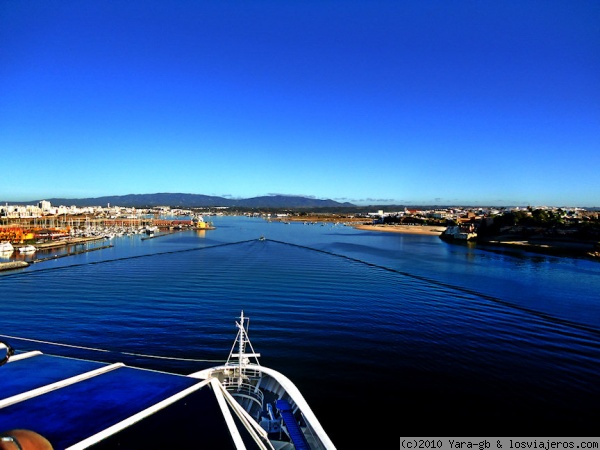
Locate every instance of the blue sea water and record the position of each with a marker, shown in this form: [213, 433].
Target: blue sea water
[385, 334]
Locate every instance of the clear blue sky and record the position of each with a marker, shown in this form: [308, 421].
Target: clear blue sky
[372, 102]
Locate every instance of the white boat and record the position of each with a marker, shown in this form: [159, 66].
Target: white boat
[150, 230]
[459, 233]
[238, 405]
[27, 249]
[6, 247]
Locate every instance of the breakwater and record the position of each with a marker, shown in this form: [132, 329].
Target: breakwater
[78, 252]
[13, 265]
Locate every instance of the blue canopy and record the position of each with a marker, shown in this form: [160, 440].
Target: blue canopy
[70, 401]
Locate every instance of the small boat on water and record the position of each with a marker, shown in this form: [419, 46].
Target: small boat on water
[237, 405]
[27, 249]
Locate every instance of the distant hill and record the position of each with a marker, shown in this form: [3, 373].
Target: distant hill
[179, 200]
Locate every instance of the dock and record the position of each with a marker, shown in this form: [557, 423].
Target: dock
[13, 265]
[66, 242]
[78, 252]
[154, 236]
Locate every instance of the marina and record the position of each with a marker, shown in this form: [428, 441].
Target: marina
[31, 245]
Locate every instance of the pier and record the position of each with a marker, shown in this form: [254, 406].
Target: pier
[154, 236]
[78, 252]
[58, 244]
[13, 265]
[66, 242]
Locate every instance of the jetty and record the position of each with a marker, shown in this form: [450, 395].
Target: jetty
[13, 265]
[77, 252]
[153, 236]
[66, 242]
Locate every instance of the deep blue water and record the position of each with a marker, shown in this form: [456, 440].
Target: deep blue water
[385, 334]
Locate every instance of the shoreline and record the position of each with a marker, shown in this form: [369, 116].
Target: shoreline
[572, 249]
[359, 224]
[430, 230]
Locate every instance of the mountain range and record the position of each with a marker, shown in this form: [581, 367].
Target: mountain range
[178, 200]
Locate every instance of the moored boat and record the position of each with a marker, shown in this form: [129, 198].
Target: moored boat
[27, 249]
[6, 247]
[201, 224]
[150, 230]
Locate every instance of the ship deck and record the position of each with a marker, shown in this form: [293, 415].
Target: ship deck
[78, 404]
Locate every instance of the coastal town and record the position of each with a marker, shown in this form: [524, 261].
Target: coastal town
[26, 230]
[566, 231]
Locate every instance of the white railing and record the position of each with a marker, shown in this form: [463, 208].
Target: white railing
[244, 390]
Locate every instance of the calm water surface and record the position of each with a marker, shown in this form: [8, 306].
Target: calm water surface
[385, 334]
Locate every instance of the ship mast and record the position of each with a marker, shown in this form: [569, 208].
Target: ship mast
[241, 345]
[243, 358]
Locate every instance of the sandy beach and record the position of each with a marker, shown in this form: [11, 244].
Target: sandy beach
[359, 224]
[407, 229]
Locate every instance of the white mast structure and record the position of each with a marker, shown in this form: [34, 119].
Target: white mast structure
[243, 358]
